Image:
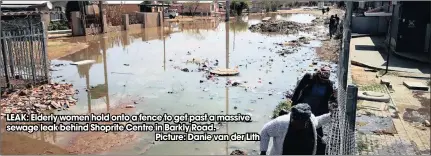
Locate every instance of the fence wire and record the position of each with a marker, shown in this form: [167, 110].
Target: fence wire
[341, 130]
[23, 52]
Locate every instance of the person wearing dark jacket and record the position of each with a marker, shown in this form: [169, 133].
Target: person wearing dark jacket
[332, 27]
[317, 91]
[293, 133]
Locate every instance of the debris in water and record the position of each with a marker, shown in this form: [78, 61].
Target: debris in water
[130, 106]
[238, 152]
[38, 99]
[278, 26]
[185, 70]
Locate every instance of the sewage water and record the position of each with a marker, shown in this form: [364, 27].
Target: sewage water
[140, 66]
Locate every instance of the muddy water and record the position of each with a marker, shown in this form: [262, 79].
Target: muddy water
[139, 66]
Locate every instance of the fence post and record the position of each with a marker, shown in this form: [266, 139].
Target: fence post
[3, 49]
[33, 69]
[125, 21]
[44, 53]
[351, 104]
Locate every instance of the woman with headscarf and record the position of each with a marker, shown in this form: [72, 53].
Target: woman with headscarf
[294, 133]
[317, 91]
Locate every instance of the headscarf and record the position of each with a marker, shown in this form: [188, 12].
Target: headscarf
[324, 73]
[301, 111]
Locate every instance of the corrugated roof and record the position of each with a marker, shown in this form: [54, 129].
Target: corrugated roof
[123, 2]
[23, 2]
[194, 1]
[20, 13]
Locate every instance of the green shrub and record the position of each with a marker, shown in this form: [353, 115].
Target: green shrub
[287, 104]
[58, 25]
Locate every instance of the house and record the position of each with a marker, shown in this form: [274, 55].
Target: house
[197, 7]
[18, 6]
[256, 6]
[127, 7]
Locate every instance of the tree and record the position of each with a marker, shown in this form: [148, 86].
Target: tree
[191, 6]
[272, 5]
[239, 5]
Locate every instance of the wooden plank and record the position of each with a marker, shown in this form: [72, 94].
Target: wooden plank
[83, 62]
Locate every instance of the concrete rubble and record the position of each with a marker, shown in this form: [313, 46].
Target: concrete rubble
[36, 100]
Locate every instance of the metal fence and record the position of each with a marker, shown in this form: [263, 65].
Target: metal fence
[341, 135]
[133, 18]
[23, 59]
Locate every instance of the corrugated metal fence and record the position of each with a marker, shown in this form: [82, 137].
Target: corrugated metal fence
[23, 59]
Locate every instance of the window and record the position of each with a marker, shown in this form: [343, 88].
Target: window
[56, 16]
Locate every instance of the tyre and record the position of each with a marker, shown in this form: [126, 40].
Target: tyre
[171, 17]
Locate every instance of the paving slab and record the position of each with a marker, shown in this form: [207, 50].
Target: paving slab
[415, 85]
[366, 52]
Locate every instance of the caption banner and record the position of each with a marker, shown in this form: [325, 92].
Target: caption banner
[184, 127]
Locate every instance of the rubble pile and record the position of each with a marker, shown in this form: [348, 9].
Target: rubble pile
[285, 27]
[35, 100]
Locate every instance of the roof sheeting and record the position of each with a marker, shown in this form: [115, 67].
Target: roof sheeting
[23, 2]
[194, 1]
[124, 2]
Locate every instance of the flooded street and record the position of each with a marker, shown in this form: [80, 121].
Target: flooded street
[142, 67]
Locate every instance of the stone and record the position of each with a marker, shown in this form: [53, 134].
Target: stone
[427, 123]
[415, 85]
[385, 82]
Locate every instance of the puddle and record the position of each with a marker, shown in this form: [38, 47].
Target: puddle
[418, 115]
[152, 56]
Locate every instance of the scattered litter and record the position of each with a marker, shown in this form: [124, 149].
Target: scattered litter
[225, 72]
[38, 99]
[130, 106]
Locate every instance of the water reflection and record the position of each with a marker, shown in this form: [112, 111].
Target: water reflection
[227, 79]
[141, 50]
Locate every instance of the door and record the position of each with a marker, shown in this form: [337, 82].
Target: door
[412, 26]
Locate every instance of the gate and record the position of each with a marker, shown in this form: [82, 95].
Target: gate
[23, 59]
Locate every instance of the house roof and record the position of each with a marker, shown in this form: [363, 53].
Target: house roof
[124, 2]
[194, 1]
[29, 13]
[22, 2]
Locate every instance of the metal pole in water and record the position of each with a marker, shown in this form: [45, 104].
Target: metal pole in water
[227, 10]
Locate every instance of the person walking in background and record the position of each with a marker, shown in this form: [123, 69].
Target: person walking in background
[294, 133]
[331, 26]
[323, 11]
[337, 20]
[327, 10]
[316, 90]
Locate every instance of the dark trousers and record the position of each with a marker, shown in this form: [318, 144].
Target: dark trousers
[321, 144]
[331, 31]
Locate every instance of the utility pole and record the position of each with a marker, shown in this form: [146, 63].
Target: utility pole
[101, 13]
[227, 10]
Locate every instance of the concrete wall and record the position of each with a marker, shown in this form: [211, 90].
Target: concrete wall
[370, 25]
[151, 20]
[126, 8]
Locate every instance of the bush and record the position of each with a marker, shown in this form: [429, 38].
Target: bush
[58, 25]
[282, 105]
